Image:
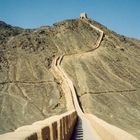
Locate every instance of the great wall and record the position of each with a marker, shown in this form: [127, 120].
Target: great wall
[61, 127]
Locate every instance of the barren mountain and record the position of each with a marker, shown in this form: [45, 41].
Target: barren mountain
[107, 80]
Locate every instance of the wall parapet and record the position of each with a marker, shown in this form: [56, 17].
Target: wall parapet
[57, 127]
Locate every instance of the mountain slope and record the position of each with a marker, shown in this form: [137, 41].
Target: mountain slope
[28, 90]
[107, 80]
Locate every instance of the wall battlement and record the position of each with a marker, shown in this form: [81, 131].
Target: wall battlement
[54, 128]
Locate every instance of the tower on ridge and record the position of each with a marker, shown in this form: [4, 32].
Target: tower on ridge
[83, 15]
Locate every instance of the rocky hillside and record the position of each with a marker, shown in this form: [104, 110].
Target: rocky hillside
[107, 80]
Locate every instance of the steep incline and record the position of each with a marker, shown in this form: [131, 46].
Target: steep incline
[88, 131]
[107, 82]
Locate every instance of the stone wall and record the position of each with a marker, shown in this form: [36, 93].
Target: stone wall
[54, 128]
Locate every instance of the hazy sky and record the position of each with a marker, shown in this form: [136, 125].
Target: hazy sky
[122, 16]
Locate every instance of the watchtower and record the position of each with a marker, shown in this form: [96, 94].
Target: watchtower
[83, 15]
